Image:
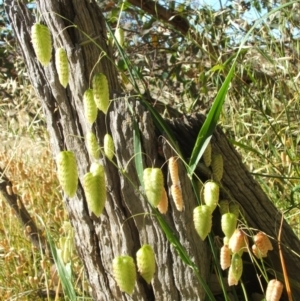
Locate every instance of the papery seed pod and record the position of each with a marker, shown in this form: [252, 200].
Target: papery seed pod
[263, 242]
[145, 260]
[67, 172]
[95, 195]
[173, 169]
[211, 191]
[163, 204]
[177, 196]
[257, 252]
[207, 155]
[228, 223]
[42, 44]
[217, 167]
[92, 145]
[109, 147]
[224, 206]
[124, 273]
[235, 269]
[119, 34]
[89, 106]
[62, 66]
[238, 242]
[274, 290]
[202, 218]
[101, 92]
[234, 208]
[154, 185]
[225, 257]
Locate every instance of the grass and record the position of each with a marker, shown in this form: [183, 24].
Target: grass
[260, 118]
[25, 272]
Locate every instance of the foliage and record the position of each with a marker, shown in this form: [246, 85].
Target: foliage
[260, 113]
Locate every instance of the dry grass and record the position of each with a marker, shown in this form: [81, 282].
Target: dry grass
[25, 273]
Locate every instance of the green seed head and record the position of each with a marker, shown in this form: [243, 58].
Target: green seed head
[211, 191]
[62, 66]
[202, 220]
[146, 262]
[92, 145]
[154, 185]
[228, 224]
[89, 105]
[109, 147]
[95, 192]
[236, 267]
[124, 273]
[217, 167]
[101, 92]
[67, 172]
[42, 44]
[207, 155]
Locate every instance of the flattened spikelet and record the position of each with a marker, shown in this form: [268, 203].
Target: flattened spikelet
[154, 185]
[258, 254]
[124, 273]
[101, 92]
[89, 105]
[163, 204]
[62, 66]
[94, 188]
[263, 242]
[207, 155]
[217, 167]
[92, 145]
[42, 44]
[238, 242]
[235, 269]
[211, 191]
[177, 196]
[109, 147]
[228, 223]
[274, 290]
[225, 257]
[202, 218]
[67, 172]
[145, 259]
[173, 169]
[98, 170]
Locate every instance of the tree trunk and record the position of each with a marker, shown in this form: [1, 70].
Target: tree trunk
[127, 221]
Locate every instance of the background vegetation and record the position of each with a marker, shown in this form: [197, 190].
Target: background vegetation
[182, 71]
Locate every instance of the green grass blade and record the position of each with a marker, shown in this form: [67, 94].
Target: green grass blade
[64, 271]
[138, 159]
[210, 124]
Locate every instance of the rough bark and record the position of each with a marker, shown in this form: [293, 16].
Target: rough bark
[121, 228]
[239, 185]
[127, 222]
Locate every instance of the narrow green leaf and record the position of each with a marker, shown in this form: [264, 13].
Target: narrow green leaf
[138, 158]
[64, 272]
[210, 124]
